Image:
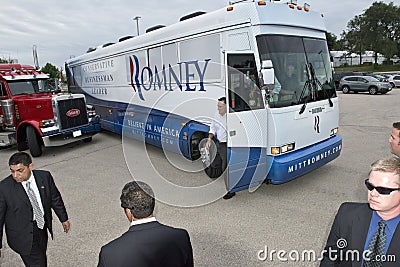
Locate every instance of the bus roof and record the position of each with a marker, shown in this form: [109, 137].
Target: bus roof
[245, 13]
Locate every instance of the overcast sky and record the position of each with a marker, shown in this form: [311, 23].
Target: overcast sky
[61, 29]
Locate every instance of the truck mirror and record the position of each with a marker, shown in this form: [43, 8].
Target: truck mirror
[268, 74]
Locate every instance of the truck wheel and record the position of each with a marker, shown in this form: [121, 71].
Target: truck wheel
[87, 139]
[33, 142]
[22, 146]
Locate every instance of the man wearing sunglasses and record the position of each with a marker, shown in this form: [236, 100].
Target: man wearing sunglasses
[367, 234]
[394, 140]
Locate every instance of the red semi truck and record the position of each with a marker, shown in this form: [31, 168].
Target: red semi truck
[32, 116]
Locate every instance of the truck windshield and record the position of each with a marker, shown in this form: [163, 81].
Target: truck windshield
[21, 87]
[302, 69]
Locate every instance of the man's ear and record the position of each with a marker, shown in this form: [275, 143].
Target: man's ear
[31, 166]
[128, 214]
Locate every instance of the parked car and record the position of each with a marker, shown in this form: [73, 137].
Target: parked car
[363, 84]
[381, 78]
[395, 80]
[339, 75]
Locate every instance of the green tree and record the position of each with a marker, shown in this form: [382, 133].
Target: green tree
[3, 60]
[332, 41]
[354, 38]
[377, 29]
[382, 28]
[53, 72]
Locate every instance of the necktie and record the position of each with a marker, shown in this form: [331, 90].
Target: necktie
[377, 246]
[35, 205]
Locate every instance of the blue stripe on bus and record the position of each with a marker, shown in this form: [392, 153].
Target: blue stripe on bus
[248, 166]
[290, 166]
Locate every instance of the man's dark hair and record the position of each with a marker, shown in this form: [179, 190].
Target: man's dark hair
[397, 126]
[139, 198]
[20, 157]
[223, 99]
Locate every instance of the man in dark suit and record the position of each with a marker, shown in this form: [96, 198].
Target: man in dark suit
[26, 199]
[368, 234]
[147, 243]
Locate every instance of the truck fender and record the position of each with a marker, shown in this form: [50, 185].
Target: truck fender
[21, 130]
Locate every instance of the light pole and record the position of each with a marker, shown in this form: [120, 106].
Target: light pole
[137, 23]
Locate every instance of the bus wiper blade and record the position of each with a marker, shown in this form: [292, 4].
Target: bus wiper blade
[307, 85]
[316, 83]
[303, 108]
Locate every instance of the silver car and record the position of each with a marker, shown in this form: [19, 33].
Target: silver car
[363, 84]
[395, 80]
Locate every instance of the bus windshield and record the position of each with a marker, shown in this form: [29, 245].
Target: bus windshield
[302, 69]
[22, 87]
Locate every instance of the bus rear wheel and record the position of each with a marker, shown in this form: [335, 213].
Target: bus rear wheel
[34, 144]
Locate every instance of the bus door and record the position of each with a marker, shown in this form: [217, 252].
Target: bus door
[246, 123]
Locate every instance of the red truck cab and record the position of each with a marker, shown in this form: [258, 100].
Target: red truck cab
[31, 116]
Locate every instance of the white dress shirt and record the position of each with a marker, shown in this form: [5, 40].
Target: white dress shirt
[35, 190]
[141, 221]
[218, 127]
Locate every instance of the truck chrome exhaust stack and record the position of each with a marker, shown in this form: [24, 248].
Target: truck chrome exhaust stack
[7, 106]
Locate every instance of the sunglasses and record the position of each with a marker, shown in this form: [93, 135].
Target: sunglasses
[379, 189]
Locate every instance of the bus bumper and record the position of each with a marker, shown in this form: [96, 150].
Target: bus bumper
[288, 167]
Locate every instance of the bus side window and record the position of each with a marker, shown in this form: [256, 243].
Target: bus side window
[244, 93]
[236, 102]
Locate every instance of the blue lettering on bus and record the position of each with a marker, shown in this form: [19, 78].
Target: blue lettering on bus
[158, 79]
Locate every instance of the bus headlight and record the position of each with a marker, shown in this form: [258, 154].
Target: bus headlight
[282, 149]
[334, 131]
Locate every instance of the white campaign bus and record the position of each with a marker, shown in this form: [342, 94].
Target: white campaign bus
[163, 86]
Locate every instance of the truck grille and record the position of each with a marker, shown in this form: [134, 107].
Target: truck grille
[72, 113]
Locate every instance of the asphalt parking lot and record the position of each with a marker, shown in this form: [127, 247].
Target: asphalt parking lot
[292, 217]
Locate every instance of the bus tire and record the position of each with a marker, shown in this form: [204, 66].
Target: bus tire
[34, 145]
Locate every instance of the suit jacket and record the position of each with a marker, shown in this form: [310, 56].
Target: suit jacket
[16, 212]
[351, 226]
[150, 244]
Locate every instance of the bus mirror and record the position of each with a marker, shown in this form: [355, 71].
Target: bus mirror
[267, 64]
[268, 74]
